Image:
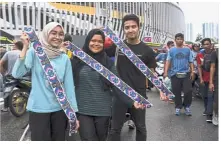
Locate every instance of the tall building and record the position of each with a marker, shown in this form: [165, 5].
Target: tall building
[189, 32]
[210, 30]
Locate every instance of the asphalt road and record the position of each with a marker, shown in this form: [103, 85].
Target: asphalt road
[162, 124]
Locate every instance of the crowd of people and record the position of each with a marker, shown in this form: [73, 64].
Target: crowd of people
[99, 105]
[189, 65]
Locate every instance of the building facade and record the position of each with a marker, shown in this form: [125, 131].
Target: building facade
[210, 30]
[189, 32]
[159, 20]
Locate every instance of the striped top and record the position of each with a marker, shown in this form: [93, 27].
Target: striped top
[91, 97]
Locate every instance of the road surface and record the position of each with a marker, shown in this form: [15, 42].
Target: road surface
[162, 124]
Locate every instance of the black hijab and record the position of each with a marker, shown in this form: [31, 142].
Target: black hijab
[101, 57]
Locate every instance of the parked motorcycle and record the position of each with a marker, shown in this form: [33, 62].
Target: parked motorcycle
[160, 70]
[17, 91]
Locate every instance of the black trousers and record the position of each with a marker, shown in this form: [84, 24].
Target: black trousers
[208, 97]
[185, 85]
[118, 118]
[48, 126]
[93, 128]
[195, 79]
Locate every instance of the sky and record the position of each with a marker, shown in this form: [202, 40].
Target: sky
[200, 12]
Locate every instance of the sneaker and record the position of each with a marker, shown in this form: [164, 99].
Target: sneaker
[215, 120]
[209, 118]
[127, 115]
[187, 111]
[171, 101]
[182, 94]
[4, 110]
[204, 113]
[177, 112]
[131, 124]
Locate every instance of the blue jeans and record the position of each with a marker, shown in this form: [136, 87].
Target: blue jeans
[208, 98]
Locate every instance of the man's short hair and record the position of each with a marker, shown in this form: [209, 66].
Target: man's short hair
[132, 17]
[19, 45]
[169, 43]
[67, 37]
[179, 35]
[206, 39]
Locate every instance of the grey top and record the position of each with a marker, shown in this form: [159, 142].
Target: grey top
[91, 97]
[10, 57]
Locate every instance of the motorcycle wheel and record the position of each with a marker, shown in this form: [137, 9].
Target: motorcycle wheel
[18, 102]
[196, 93]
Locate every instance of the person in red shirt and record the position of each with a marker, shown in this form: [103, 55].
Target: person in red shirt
[204, 75]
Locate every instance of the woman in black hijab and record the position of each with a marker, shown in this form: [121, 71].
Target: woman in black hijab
[93, 92]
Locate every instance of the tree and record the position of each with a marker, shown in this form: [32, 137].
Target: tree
[188, 42]
[198, 38]
[214, 40]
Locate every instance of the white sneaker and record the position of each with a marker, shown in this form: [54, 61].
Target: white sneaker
[182, 94]
[215, 120]
[4, 110]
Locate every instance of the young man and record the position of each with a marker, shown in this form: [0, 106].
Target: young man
[213, 84]
[9, 60]
[179, 59]
[203, 62]
[130, 74]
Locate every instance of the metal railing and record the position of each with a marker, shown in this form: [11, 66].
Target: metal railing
[159, 20]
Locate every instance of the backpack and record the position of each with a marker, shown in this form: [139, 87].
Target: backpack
[206, 61]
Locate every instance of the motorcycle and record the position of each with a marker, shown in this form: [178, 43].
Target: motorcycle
[196, 89]
[17, 91]
[160, 70]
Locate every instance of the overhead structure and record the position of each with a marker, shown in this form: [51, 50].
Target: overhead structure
[160, 21]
